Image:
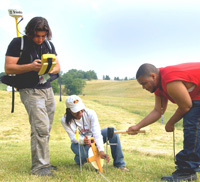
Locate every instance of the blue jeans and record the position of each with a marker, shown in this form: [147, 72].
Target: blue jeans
[116, 150]
[189, 157]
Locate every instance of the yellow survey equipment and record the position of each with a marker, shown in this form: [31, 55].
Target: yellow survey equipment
[48, 62]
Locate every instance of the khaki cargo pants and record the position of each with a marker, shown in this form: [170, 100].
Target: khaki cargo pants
[40, 106]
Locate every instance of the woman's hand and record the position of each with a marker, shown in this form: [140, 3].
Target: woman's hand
[87, 141]
[104, 156]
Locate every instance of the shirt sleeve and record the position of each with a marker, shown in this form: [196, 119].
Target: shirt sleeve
[14, 48]
[53, 48]
[71, 131]
[96, 131]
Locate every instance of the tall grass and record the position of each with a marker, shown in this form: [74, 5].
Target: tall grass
[119, 104]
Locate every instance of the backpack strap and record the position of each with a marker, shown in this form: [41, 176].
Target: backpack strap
[48, 45]
[13, 88]
[22, 46]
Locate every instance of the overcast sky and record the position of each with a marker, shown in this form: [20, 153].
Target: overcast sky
[112, 37]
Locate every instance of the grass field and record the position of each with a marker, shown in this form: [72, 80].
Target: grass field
[119, 104]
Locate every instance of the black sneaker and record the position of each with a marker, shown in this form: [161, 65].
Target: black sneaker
[180, 175]
[52, 167]
[43, 172]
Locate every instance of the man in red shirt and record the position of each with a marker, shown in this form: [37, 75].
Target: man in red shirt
[181, 85]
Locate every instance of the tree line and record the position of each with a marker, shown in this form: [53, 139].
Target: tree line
[106, 77]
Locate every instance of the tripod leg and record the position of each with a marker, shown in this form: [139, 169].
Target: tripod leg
[106, 152]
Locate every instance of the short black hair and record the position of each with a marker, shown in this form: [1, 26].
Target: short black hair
[145, 70]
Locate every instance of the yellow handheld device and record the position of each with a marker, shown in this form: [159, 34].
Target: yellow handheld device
[48, 62]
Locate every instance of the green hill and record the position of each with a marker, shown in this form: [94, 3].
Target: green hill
[126, 95]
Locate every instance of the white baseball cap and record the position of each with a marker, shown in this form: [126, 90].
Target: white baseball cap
[74, 103]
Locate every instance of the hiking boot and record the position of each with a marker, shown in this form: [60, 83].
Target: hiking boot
[124, 169]
[180, 175]
[52, 167]
[43, 172]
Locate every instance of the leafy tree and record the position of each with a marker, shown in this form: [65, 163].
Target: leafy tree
[74, 80]
[106, 77]
[55, 86]
[2, 73]
[75, 87]
[80, 74]
[116, 78]
[90, 75]
[76, 74]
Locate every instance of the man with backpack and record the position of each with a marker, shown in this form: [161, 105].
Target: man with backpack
[23, 58]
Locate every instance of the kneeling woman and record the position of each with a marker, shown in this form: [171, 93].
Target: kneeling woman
[77, 115]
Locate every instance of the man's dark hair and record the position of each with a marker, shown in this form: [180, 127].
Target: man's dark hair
[145, 70]
[38, 24]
